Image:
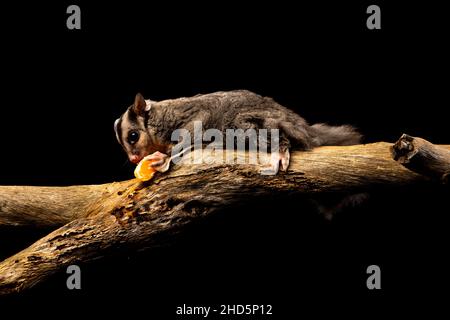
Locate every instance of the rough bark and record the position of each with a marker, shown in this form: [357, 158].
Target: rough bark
[132, 215]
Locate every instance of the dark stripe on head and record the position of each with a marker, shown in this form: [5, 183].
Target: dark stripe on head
[146, 117]
[132, 116]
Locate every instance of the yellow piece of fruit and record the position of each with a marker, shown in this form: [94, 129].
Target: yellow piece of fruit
[144, 170]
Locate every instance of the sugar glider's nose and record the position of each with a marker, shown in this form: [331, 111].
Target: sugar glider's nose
[135, 158]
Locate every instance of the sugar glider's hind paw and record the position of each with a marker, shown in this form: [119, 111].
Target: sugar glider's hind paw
[285, 158]
[274, 166]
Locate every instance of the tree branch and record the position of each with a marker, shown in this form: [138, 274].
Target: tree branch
[28, 206]
[130, 215]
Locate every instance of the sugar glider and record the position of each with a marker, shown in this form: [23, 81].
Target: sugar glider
[145, 129]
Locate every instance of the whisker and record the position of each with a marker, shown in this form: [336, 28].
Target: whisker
[125, 163]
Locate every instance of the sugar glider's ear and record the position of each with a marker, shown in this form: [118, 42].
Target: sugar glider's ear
[139, 105]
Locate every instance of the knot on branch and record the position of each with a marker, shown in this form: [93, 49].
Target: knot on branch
[423, 157]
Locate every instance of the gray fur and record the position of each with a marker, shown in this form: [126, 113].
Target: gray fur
[240, 109]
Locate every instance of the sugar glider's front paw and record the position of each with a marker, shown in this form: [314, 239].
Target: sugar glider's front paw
[147, 167]
[159, 161]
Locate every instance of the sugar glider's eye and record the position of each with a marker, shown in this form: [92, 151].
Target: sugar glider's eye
[133, 137]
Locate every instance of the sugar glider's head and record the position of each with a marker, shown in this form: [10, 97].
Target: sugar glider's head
[131, 130]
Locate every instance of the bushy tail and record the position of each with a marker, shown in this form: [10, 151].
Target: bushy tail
[325, 135]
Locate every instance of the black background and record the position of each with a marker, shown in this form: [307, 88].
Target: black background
[62, 90]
